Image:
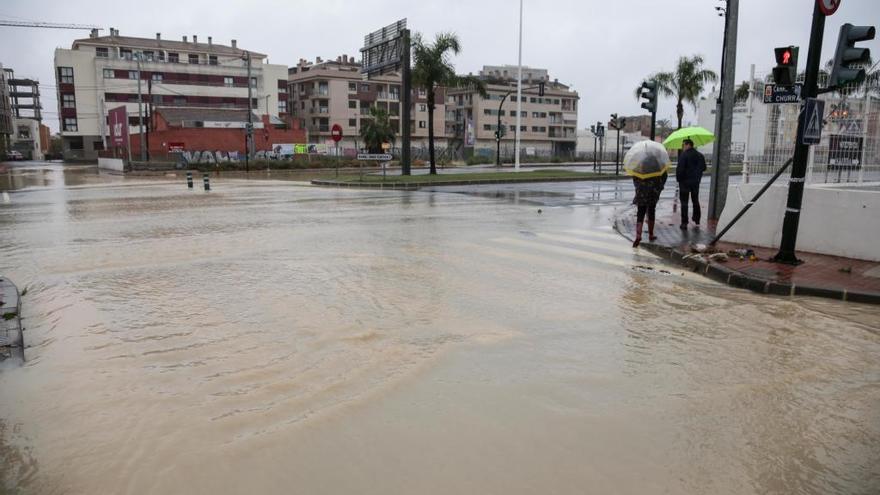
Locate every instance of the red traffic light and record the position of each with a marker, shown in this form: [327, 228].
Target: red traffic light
[786, 57]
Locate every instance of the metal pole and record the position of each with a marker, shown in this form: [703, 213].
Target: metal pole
[337, 159]
[248, 140]
[498, 130]
[519, 90]
[786, 252]
[745, 170]
[140, 111]
[406, 103]
[149, 112]
[867, 107]
[752, 202]
[617, 153]
[721, 168]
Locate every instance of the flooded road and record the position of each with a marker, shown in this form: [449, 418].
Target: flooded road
[271, 337]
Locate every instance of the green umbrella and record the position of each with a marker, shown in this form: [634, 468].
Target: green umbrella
[698, 135]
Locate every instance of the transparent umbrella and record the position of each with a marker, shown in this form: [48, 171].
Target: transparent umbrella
[646, 159]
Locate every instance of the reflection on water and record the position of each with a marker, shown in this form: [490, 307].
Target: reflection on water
[268, 336]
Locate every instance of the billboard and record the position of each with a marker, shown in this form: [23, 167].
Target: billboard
[118, 118]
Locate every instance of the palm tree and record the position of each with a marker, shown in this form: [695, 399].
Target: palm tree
[685, 83]
[432, 69]
[376, 130]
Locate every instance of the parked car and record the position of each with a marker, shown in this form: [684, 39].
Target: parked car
[14, 155]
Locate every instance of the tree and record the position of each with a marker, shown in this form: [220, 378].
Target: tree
[376, 130]
[664, 129]
[685, 83]
[432, 70]
[741, 93]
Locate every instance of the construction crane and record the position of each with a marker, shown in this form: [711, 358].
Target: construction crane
[49, 25]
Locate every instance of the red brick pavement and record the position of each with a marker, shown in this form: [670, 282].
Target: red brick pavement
[819, 274]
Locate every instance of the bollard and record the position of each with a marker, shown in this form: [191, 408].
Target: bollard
[189, 180]
[207, 182]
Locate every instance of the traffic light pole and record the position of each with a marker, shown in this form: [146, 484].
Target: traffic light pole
[406, 103]
[721, 167]
[786, 252]
[498, 126]
[617, 154]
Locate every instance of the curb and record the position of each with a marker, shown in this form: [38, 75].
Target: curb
[418, 185]
[738, 279]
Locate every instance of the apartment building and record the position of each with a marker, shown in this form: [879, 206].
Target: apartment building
[328, 92]
[548, 123]
[99, 73]
[24, 96]
[5, 111]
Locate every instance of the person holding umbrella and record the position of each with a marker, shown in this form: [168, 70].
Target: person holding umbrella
[690, 168]
[647, 162]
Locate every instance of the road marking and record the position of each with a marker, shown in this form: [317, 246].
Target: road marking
[577, 253]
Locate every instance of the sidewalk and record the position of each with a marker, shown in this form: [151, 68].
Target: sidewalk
[820, 275]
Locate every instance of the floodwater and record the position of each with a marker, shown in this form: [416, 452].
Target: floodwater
[272, 337]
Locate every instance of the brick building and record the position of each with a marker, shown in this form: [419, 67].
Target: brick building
[213, 129]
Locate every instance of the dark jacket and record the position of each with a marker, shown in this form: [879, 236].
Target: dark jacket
[648, 190]
[691, 165]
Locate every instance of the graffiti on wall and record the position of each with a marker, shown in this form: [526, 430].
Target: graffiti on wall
[278, 152]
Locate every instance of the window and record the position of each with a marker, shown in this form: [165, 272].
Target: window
[352, 87]
[282, 107]
[512, 98]
[132, 74]
[522, 128]
[212, 60]
[68, 101]
[125, 53]
[173, 58]
[157, 99]
[253, 82]
[352, 104]
[422, 124]
[513, 128]
[228, 82]
[302, 105]
[487, 127]
[98, 145]
[157, 76]
[102, 52]
[365, 87]
[70, 124]
[422, 92]
[194, 58]
[160, 56]
[109, 74]
[556, 101]
[66, 74]
[535, 128]
[352, 122]
[180, 100]
[533, 100]
[423, 107]
[148, 56]
[535, 115]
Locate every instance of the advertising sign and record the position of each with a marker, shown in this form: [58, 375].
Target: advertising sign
[118, 126]
[283, 149]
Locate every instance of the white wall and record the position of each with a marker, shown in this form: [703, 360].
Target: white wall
[840, 221]
[115, 164]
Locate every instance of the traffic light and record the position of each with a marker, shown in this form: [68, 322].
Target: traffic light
[613, 122]
[621, 123]
[649, 93]
[848, 55]
[540, 89]
[785, 72]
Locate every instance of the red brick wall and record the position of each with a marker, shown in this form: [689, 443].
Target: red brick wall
[202, 139]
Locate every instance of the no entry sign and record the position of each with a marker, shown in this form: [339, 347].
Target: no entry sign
[828, 7]
[336, 132]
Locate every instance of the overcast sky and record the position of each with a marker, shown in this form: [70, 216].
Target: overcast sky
[601, 48]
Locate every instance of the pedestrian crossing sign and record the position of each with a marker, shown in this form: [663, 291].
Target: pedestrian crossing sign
[811, 125]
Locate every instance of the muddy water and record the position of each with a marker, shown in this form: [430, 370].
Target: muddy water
[270, 337]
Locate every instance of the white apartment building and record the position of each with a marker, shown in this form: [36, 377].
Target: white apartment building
[548, 124]
[99, 73]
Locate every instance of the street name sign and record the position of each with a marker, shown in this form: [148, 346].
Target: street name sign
[774, 93]
[381, 157]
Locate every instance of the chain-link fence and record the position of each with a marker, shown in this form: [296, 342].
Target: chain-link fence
[764, 136]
